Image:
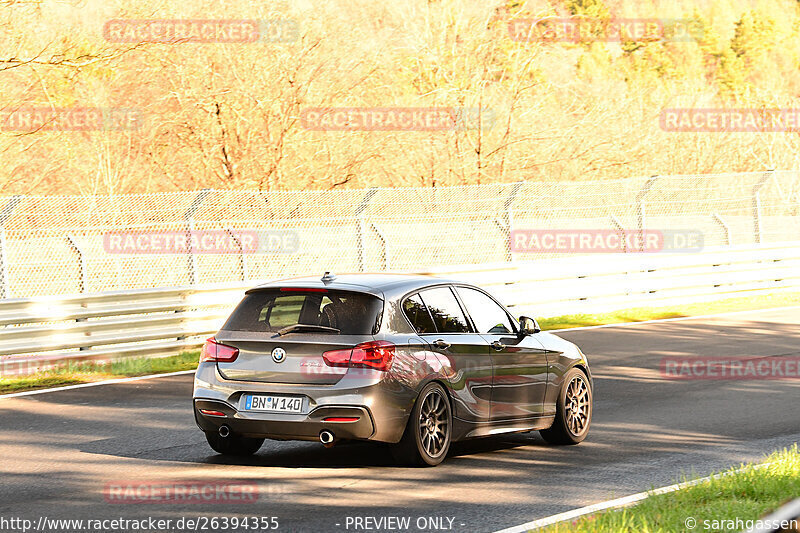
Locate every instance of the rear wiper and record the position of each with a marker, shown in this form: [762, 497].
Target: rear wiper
[306, 327]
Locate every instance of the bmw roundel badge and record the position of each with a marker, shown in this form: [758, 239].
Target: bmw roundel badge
[279, 355]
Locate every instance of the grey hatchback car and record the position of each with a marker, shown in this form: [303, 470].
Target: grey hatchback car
[414, 361]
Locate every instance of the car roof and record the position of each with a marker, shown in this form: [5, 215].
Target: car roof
[378, 284]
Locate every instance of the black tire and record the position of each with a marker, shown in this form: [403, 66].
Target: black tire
[233, 444]
[426, 440]
[573, 410]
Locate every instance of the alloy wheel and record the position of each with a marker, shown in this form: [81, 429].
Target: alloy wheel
[434, 428]
[577, 405]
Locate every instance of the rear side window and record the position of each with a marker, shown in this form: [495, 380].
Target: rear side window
[418, 315]
[352, 313]
[447, 314]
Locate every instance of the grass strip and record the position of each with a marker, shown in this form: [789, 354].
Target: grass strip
[89, 372]
[724, 503]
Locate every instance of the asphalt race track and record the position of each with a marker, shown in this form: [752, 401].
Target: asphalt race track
[60, 451]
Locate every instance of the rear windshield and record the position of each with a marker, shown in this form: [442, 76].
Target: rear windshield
[351, 313]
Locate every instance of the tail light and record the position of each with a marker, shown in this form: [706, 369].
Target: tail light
[374, 354]
[214, 351]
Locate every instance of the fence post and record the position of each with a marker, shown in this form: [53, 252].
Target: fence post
[242, 258]
[725, 228]
[621, 232]
[188, 217]
[757, 205]
[82, 267]
[360, 230]
[5, 214]
[384, 245]
[81, 261]
[508, 217]
[640, 211]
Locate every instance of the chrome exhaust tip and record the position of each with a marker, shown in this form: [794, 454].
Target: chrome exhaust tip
[224, 431]
[326, 438]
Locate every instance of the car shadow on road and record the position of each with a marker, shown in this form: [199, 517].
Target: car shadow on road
[354, 454]
[189, 446]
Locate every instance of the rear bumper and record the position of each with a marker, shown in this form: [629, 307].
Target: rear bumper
[381, 402]
[286, 426]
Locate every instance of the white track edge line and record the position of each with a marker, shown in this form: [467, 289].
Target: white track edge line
[94, 384]
[619, 502]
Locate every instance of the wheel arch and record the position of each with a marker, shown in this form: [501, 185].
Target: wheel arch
[442, 382]
[583, 367]
[447, 392]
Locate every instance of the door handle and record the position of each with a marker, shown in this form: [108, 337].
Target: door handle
[497, 345]
[441, 343]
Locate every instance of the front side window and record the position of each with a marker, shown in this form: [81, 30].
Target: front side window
[486, 314]
[445, 310]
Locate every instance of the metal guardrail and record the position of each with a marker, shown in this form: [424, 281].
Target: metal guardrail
[40, 333]
[37, 333]
[603, 282]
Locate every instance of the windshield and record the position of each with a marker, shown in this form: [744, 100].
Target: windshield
[333, 311]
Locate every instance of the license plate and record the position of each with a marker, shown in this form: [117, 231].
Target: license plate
[279, 404]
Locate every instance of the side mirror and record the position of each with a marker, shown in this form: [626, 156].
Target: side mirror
[528, 326]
